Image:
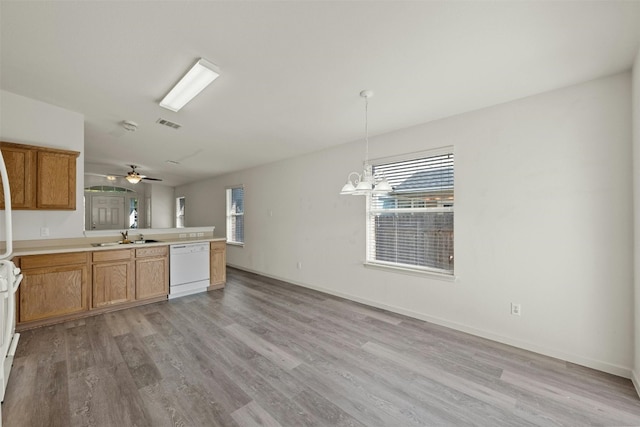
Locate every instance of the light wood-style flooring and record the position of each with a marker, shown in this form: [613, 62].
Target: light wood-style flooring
[264, 352]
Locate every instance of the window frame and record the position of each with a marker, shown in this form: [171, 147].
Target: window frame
[184, 208]
[230, 215]
[370, 261]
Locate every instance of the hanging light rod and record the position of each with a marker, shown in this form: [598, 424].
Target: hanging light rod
[366, 183]
[196, 79]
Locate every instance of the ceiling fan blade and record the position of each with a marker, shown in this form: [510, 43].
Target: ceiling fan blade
[147, 178]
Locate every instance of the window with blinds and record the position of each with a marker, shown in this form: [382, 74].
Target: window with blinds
[235, 214]
[412, 227]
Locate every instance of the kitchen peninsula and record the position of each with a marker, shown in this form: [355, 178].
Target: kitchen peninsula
[67, 279]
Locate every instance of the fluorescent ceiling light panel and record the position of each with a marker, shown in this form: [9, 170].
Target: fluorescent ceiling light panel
[196, 79]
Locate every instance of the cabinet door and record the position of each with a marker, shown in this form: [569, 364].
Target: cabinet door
[53, 291]
[218, 264]
[112, 283]
[152, 277]
[21, 165]
[56, 181]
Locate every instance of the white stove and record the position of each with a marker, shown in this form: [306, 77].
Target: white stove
[10, 279]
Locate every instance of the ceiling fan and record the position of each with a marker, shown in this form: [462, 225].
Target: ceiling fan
[134, 177]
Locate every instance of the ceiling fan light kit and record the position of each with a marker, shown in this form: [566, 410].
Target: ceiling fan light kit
[366, 183]
[196, 79]
[132, 176]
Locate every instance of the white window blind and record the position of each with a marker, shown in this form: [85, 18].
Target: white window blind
[412, 227]
[235, 214]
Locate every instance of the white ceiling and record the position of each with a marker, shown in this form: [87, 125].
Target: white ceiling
[292, 71]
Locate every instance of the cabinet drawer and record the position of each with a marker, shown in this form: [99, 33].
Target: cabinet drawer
[50, 260]
[219, 245]
[156, 251]
[117, 255]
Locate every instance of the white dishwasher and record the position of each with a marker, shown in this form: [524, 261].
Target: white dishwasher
[188, 269]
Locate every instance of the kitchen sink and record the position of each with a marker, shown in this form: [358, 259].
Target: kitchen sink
[120, 242]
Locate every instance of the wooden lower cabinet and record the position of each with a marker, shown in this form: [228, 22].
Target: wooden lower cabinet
[218, 264]
[53, 286]
[66, 286]
[152, 272]
[113, 278]
[59, 287]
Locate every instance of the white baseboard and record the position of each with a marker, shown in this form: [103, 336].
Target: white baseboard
[610, 368]
[635, 381]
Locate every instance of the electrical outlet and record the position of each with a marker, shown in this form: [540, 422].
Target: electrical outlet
[44, 231]
[200, 234]
[182, 235]
[516, 310]
[192, 234]
[299, 265]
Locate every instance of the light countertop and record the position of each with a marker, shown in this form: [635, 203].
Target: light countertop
[85, 244]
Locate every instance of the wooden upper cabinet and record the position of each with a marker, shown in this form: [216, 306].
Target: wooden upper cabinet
[39, 177]
[21, 166]
[56, 181]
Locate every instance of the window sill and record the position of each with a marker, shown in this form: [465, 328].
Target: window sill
[235, 244]
[412, 271]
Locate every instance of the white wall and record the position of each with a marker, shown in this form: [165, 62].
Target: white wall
[543, 218]
[163, 207]
[203, 204]
[27, 121]
[636, 216]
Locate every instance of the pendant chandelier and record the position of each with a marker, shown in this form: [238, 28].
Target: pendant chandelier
[366, 183]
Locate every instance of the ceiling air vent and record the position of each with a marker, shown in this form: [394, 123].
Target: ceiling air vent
[168, 123]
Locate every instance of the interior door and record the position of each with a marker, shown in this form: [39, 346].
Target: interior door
[107, 213]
